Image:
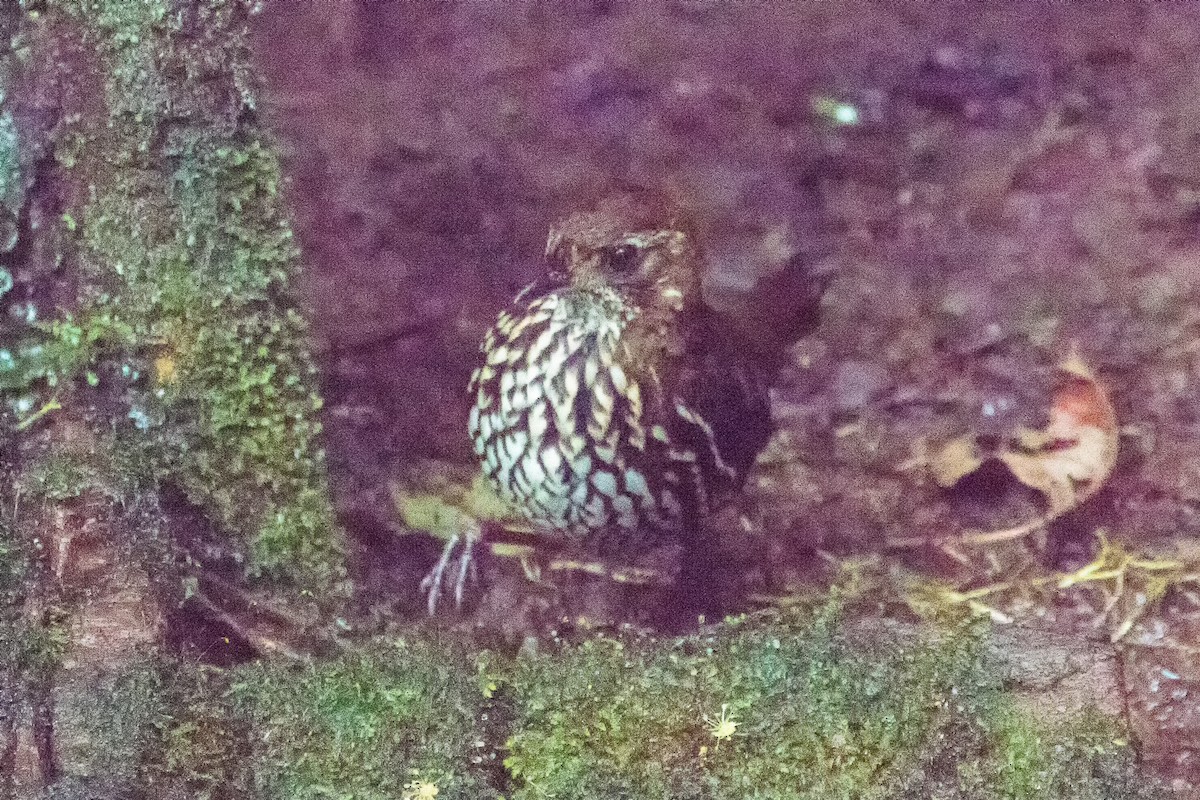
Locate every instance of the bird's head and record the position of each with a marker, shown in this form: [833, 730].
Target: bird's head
[648, 264]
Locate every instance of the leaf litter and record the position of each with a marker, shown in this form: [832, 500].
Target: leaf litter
[1067, 462]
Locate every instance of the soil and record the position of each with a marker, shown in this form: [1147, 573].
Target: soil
[993, 183]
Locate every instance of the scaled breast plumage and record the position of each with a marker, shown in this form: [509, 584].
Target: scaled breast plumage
[556, 418]
[579, 436]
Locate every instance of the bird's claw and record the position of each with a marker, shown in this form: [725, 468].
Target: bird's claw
[457, 558]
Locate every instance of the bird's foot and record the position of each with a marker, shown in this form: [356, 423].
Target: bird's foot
[456, 562]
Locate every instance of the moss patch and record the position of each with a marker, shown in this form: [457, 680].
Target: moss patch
[1086, 759]
[767, 713]
[785, 712]
[202, 742]
[380, 725]
[24, 650]
[778, 710]
[107, 724]
[187, 316]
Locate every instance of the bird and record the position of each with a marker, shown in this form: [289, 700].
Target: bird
[612, 406]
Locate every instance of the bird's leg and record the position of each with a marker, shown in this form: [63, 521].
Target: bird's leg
[458, 559]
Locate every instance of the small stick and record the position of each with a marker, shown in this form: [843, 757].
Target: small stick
[982, 537]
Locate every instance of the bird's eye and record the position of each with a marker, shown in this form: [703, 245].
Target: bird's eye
[621, 258]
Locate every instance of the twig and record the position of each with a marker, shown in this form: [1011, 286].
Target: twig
[261, 643]
[51, 405]
[975, 538]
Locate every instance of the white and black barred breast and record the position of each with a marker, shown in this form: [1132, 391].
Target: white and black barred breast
[586, 430]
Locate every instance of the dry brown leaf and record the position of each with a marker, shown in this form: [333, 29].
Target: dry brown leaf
[1074, 454]
[1068, 461]
[955, 460]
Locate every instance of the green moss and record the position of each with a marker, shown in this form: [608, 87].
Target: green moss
[203, 742]
[107, 723]
[30, 649]
[368, 726]
[812, 717]
[1086, 759]
[58, 477]
[12, 192]
[778, 713]
[13, 642]
[187, 261]
[781, 710]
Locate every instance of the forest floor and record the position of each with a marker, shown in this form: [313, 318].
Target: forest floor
[999, 189]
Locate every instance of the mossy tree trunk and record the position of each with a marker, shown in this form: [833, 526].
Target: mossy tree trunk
[160, 414]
